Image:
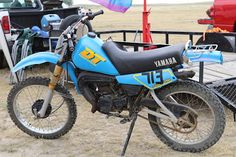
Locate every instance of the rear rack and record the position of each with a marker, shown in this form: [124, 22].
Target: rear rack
[204, 48]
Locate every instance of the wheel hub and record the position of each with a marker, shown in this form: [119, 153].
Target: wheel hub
[186, 123]
[37, 107]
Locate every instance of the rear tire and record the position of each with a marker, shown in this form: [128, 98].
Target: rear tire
[224, 43]
[215, 106]
[2, 58]
[3, 61]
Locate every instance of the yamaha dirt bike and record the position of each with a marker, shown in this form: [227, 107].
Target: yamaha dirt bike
[183, 113]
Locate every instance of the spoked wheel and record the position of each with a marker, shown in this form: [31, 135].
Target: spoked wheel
[26, 99]
[195, 130]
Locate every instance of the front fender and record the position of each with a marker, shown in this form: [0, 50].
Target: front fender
[47, 57]
[37, 58]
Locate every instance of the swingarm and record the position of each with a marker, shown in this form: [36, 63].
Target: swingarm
[169, 110]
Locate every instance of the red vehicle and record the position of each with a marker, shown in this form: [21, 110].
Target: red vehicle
[222, 18]
[222, 15]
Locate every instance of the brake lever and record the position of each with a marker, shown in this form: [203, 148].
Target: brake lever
[84, 19]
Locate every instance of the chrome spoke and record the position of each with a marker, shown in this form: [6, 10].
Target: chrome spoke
[189, 132]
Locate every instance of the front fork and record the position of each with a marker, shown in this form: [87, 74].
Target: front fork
[53, 82]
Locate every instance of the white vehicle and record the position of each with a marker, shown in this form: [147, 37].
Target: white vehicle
[20, 14]
[5, 22]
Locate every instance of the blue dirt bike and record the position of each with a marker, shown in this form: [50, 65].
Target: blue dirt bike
[153, 85]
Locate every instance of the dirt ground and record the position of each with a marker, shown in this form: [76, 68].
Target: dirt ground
[93, 134]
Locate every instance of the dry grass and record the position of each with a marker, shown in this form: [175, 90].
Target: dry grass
[164, 17]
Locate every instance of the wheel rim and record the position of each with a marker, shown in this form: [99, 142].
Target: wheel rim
[22, 106]
[205, 120]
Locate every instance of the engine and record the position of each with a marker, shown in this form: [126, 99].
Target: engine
[103, 93]
[109, 103]
[110, 97]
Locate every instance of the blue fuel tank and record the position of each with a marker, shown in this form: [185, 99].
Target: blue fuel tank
[89, 56]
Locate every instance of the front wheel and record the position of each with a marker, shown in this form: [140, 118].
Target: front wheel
[28, 96]
[192, 133]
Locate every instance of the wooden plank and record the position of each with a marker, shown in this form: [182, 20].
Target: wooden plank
[214, 72]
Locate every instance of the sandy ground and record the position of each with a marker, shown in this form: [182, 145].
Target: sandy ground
[93, 134]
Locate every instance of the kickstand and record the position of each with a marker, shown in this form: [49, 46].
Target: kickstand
[129, 134]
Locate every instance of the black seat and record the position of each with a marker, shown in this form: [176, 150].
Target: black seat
[135, 62]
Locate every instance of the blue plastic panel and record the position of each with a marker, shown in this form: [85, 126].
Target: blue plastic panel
[206, 56]
[47, 57]
[151, 80]
[89, 56]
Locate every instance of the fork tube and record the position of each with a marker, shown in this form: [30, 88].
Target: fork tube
[53, 82]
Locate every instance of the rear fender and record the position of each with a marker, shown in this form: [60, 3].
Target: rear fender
[47, 57]
[207, 56]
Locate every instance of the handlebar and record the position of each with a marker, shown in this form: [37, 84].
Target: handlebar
[70, 31]
[91, 16]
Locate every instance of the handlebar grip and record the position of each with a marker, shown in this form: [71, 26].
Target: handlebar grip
[96, 14]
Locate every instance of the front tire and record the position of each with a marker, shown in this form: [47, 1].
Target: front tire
[199, 137]
[28, 95]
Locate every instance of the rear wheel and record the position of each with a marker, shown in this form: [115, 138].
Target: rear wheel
[2, 58]
[27, 97]
[190, 133]
[225, 43]
[3, 61]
